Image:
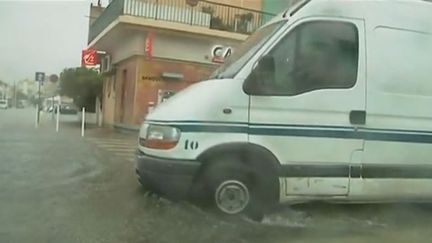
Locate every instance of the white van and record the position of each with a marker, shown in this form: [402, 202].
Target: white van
[331, 100]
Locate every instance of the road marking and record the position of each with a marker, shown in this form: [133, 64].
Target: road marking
[125, 157]
[117, 146]
[122, 148]
[115, 143]
[130, 153]
[110, 140]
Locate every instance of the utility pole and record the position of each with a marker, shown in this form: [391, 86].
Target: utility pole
[53, 106]
[39, 78]
[15, 94]
[39, 102]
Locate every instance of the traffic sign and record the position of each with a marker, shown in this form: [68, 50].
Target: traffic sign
[40, 76]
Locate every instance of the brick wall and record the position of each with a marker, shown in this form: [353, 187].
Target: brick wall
[125, 90]
[149, 81]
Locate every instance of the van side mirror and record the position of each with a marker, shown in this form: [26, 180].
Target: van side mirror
[261, 77]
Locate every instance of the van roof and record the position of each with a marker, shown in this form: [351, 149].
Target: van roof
[411, 14]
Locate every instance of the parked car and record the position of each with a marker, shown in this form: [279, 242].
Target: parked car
[330, 101]
[68, 109]
[20, 104]
[50, 109]
[4, 104]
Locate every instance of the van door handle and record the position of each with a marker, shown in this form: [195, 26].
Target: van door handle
[227, 111]
[357, 117]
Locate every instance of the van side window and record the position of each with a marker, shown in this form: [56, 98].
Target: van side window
[316, 55]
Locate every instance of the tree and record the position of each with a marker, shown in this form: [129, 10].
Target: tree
[81, 84]
[20, 95]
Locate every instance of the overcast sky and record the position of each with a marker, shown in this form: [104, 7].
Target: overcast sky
[42, 36]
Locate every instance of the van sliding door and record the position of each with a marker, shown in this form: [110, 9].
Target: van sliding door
[398, 152]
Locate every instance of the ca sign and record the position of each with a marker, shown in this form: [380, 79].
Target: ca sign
[219, 53]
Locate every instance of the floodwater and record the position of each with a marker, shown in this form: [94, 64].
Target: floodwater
[59, 187]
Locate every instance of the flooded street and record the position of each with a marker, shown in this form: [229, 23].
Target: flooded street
[230, 103]
[64, 188]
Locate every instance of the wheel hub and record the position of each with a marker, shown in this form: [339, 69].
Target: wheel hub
[232, 196]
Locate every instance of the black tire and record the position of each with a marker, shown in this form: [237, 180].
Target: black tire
[229, 171]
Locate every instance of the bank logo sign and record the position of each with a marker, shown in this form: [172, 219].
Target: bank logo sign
[220, 53]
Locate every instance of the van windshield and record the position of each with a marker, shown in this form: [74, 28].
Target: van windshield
[244, 52]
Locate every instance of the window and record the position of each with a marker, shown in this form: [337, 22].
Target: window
[316, 55]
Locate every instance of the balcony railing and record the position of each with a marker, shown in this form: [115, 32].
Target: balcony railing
[205, 14]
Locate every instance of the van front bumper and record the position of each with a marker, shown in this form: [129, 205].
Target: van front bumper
[169, 177]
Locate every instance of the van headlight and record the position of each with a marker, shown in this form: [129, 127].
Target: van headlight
[160, 137]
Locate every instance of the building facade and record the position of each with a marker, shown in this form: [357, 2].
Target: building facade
[155, 48]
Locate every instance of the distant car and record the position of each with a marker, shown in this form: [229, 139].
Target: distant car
[50, 109]
[20, 104]
[3, 104]
[66, 109]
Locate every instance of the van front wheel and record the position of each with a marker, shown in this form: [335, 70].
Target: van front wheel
[232, 196]
[232, 190]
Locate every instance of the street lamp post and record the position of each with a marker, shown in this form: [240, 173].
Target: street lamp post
[39, 102]
[39, 78]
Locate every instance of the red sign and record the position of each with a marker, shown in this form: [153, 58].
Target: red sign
[148, 49]
[89, 58]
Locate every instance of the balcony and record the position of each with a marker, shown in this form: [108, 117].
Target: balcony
[205, 14]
